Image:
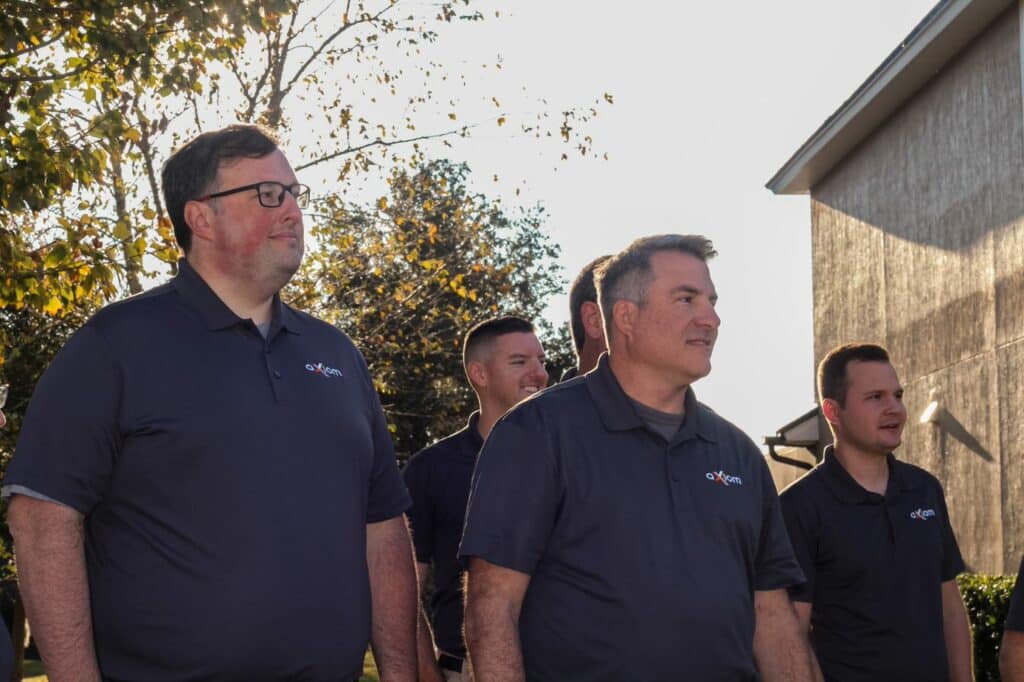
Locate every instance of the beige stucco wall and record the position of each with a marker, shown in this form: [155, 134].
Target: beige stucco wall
[918, 243]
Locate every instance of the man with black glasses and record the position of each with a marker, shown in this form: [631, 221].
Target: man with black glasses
[205, 487]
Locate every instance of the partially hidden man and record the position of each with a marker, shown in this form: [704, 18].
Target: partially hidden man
[873, 537]
[617, 528]
[585, 321]
[504, 363]
[1011, 653]
[204, 487]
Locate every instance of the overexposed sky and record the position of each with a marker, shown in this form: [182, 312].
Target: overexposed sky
[710, 99]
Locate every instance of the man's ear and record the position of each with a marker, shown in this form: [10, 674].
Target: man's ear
[197, 217]
[624, 317]
[593, 322]
[830, 408]
[477, 373]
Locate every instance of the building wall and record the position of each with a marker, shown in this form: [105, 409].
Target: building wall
[918, 244]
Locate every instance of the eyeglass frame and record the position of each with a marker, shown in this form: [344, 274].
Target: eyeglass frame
[301, 195]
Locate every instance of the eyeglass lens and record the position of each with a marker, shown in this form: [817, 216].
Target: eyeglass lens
[271, 194]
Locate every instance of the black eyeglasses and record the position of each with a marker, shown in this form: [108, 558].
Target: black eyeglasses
[270, 193]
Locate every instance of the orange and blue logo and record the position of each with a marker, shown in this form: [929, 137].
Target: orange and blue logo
[722, 478]
[922, 514]
[323, 370]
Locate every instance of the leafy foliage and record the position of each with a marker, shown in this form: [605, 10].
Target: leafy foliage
[558, 348]
[407, 277]
[94, 93]
[987, 598]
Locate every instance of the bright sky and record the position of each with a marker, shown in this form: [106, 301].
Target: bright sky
[710, 100]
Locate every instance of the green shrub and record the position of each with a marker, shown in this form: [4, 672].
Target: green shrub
[987, 598]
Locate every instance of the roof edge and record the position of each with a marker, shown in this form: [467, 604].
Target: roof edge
[947, 28]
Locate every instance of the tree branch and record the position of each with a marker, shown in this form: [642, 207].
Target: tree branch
[346, 25]
[34, 48]
[382, 143]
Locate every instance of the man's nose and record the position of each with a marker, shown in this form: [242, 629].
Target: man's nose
[540, 373]
[895, 405]
[709, 317]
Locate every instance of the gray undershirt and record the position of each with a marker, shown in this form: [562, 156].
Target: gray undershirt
[665, 424]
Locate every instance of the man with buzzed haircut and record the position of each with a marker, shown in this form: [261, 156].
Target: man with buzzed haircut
[873, 537]
[617, 528]
[585, 321]
[504, 363]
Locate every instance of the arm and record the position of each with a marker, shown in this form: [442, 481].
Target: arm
[49, 544]
[781, 651]
[1011, 656]
[393, 599]
[803, 616]
[957, 630]
[429, 672]
[494, 597]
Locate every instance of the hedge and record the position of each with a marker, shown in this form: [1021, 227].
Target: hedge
[987, 598]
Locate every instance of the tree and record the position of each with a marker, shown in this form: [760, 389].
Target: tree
[407, 277]
[93, 93]
[558, 349]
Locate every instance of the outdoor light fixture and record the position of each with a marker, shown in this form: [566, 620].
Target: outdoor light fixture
[935, 413]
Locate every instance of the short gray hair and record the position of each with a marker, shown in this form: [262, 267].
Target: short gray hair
[626, 275]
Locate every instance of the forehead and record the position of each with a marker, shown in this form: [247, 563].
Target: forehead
[244, 170]
[671, 269]
[516, 343]
[867, 375]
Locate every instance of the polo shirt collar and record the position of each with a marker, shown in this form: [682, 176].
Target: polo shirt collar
[846, 488]
[214, 313]
[618, 414]
[473, 432]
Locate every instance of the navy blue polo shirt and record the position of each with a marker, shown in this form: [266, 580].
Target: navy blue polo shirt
[644, 555]
[226, 482]
[874, 565]
[1015, 616]
[438, 478]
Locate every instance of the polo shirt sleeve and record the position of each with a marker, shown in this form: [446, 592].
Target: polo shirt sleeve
[515, 496]
[801, 526]
[775, 565]
[952, 562]
[70, 438]
[1015, 616]
[387, 497]
[421, 514]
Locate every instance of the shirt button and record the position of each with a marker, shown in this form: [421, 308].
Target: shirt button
[277, 375]
[675, 478]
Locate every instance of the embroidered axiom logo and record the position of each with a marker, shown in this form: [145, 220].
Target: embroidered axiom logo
[922, 514]
[323, 370]
[722, 478]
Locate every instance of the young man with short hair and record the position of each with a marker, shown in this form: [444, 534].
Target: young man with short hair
[504, 363]
[873, 538]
